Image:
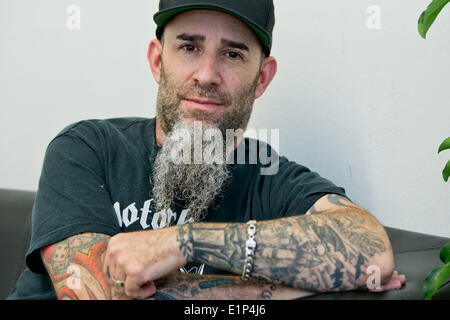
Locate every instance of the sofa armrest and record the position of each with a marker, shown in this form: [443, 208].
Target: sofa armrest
[15, 234]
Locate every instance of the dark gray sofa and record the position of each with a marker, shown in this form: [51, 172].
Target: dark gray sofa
[416, 254]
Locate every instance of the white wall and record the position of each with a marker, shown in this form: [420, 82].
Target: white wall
[365, 108]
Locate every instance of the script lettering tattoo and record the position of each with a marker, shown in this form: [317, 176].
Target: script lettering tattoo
[184, 286]
[83, 253]
[192, 287]
[315, 252]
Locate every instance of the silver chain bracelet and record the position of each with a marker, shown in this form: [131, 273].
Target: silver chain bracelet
[250, 250]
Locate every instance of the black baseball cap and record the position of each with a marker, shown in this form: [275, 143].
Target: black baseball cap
[259, 15]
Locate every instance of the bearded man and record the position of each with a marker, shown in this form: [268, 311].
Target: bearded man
[125, 209]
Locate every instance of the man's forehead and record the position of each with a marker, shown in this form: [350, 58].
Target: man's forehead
[209, 23]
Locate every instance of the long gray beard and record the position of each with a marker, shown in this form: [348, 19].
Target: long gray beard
[196, 184]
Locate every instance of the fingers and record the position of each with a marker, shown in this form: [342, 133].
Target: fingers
[392, 285]
[118, 278]
[118, 275]
[395, 283]
[108, 266]
[114, 274]
[131, 285]
[400, 278]
[120, 281]
[148, 289]
[106, 270]
[133, 289]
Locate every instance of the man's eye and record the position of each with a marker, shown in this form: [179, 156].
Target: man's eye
[233, 55]
[189, 48]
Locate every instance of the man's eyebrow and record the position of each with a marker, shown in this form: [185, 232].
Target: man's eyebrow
[191, 37]
[235, 44]
[201, 38]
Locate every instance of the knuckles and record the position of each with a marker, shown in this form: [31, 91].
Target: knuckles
[133, 270]
[116, 245]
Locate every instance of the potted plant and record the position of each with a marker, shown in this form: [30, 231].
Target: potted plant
[438, 276]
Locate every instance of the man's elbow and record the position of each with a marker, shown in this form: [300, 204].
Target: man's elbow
[383, 260]
[383, 255]
[386, 265]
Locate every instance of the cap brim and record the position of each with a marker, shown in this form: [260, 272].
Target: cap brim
[162, 17]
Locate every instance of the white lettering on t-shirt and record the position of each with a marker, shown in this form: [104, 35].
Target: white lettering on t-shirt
[182, 219]
[127, 220]
[145, 211]
[161, 219]
[171, 217]
[118, 213]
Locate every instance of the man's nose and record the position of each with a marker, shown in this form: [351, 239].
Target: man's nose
[208, 72]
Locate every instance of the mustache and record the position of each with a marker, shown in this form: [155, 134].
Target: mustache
[210, 92]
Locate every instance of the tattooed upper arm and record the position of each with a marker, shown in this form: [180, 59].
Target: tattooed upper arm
[330, 203]
[75, 266]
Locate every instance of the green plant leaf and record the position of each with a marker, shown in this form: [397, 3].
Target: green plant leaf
[444, 145]
[446, 172]
[445, 253]
[428, 17]
[434, 280]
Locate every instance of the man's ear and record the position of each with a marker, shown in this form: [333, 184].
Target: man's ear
[268, 70]
[154, 56]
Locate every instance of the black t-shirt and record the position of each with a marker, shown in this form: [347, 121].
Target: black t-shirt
[96, 178]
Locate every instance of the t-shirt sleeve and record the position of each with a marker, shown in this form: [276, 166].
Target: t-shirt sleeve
[294, 189]
[72, 197]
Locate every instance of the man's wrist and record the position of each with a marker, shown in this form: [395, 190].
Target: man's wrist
[219, 245]
[185, 243]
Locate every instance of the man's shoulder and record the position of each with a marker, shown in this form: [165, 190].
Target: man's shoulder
[258, 145]
[258, 155]
[268, 156]
[98, 128]
[105, 133]
[105, 125]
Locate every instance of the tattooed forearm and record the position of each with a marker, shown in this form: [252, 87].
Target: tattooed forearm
[206, 239]
[76, 269]
[206, 287]
[316, 252]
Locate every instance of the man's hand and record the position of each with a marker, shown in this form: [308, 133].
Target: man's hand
[396, 283]
[139, 258]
